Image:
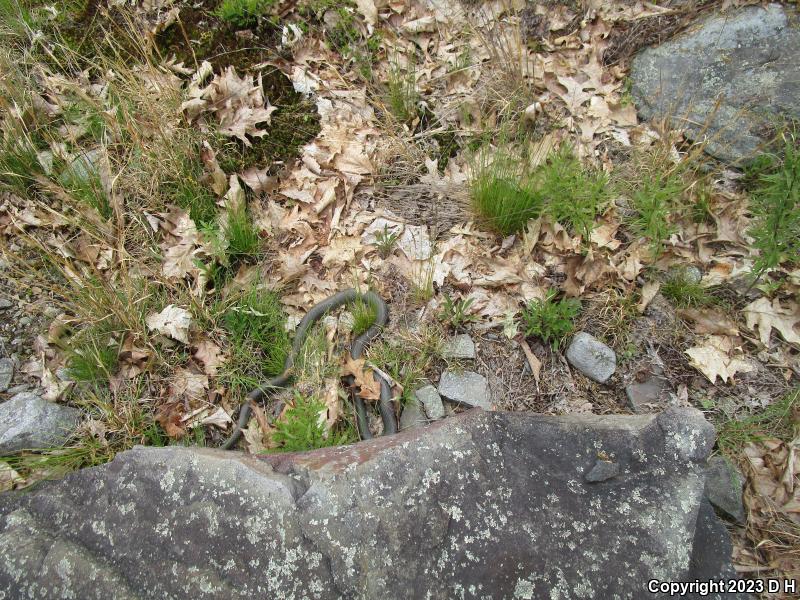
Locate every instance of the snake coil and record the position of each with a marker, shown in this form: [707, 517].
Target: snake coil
[356, 350]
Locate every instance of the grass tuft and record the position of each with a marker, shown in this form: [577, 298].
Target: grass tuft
[551, 320]
[778, 420]
[243, 13]
[364, 315]
[685, 292]
[241, 234]
[301, 427]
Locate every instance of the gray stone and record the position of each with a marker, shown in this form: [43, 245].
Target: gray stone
[6, 373]
[592, 357]
[459, 346]
[431, 402]
[737, 72]
[487, 501]
[83, 168]
[602, 471]
[412, 415]
[724, 488]
[5, 303]
[645, 396]
[466, 388]
[27, 422]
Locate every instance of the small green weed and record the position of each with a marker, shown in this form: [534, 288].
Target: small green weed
[775, 204]
[241, 234]
[258, 340]
[364, 315]
[779, 420]
[401, 92]
[301, 428]
[88, 190]
[551, 320]
[93, 355]
[243, 13]
[684, 291]
[408, 354]
[456, 312]
[385, 241]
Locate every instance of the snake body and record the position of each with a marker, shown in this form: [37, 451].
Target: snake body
[356, 350]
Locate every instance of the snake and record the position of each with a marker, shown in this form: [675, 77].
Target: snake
[357, 348]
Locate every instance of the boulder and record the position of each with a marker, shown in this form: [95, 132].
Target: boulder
[27, 422]
[737, 73]
[483, 505]
[466, 388]
[592, 357]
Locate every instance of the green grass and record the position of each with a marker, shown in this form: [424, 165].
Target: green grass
[402, 97]
[364, 315]
[385, 241]
[654, 195]
[87, 189]
[506, 194]
[683, 292]
[775, 205]
[19, 163]
[93, 354]
[243, 13]
[778, 420]
[455, 313]
[258, 342]
[301, 429]
[241, 235]
[550, 320]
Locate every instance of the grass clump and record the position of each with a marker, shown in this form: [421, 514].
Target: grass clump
[775, 204]
[455, 313]
[408, 354]
[241, 234]
[506, 193]
[243, 13]
[685, 291]
[364, 315]
[93, 355]
[551, 320]
[302, 429]
[385, 241]
[778, 420]
[259, 344]
[401, 92]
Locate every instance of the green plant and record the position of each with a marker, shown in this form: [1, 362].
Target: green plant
[87, 189]
[685, 291]
[500, 191]
[241, 234]
[258, 342]
[549, 319]
[456, 312]
[243, 13]
[775, 204]
[364, 315]
[385, 241]
[422, 283]
[654, 195]
[93, 354]
[401, 91]
[778, 420]
[571, 194]
[302, 429]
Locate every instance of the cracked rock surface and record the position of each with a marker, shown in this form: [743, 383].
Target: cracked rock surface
[483, 505]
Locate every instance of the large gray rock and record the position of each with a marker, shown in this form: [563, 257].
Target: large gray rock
[745, 60]
[27, 422]
[592, 357]
[484, 505]
[466, 388]
[724, 488]
[6, 373]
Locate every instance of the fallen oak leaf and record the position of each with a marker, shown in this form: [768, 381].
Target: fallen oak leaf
[709, 321]
[210, 356]
[713, 359]
[173, 322]
[767, 316]
[649, 291]
[364, 378]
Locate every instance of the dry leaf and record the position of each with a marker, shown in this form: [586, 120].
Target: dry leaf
[364, 378]
[713, 359]
[173, 322]
[709, 321]
[649, 291]
[534, 363]
[210, 356]
[767, 316]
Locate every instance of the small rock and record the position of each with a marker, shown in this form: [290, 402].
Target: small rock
[642, 395]
[601, 471]
[51, 312]
[431, 402]
[25, 321]
[6, 373]
[467, 388]
[28, 422]
[459, 346]
[724, 488]
[5, 303]
[412, 416]
[592, 357]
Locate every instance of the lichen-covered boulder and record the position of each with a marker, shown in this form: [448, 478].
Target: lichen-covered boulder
[483, 505]
[731, 78]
